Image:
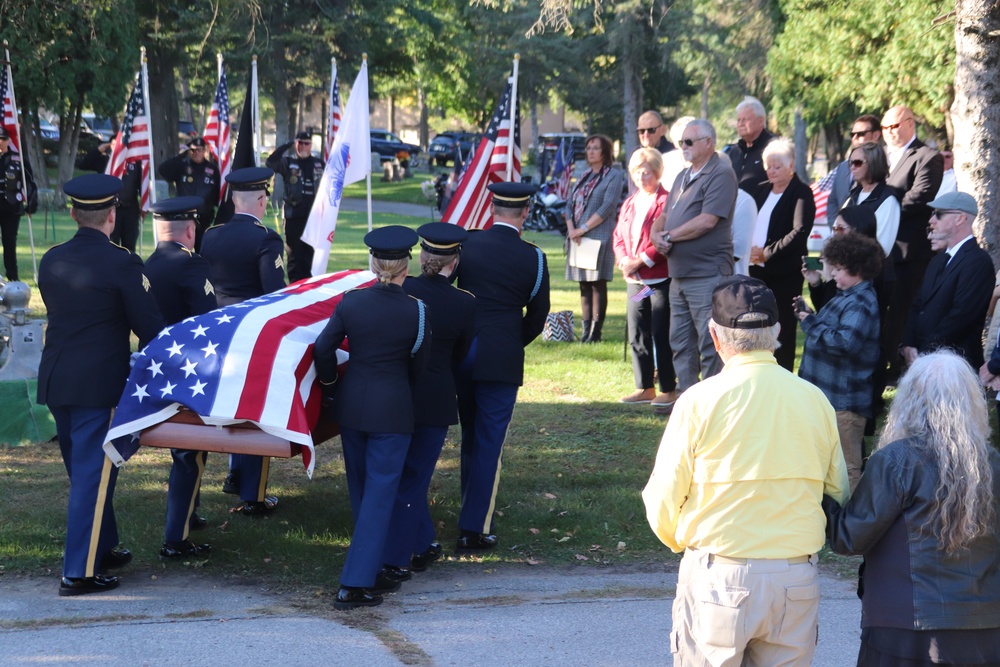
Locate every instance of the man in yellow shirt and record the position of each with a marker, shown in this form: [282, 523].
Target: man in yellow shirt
[742, 468]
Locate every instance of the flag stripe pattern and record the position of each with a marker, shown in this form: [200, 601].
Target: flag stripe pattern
[470, 207]
[9, 112]
[821, 194]
[333, 119]
[132, 141]
[217, 134]
[248, 362]
[564, 169]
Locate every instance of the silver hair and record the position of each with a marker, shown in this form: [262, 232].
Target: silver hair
[647, 156]
[704, 125]
[747, 340]
[782, 148]
[940, 409]
[752, 103]
[677, 129]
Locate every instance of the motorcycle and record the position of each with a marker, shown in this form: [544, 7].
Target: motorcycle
[548, 211]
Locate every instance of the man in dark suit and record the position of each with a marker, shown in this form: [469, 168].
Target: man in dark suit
[915, 172]
[181, 283]
[96, 293]
[247, 261]
[510, 279]
[950, 307]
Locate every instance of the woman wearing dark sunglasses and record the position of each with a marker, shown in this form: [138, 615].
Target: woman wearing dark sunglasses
[869, 169]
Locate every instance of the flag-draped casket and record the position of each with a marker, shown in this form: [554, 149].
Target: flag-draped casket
[250, 362]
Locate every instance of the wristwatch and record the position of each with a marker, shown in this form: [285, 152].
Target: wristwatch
[666, 239]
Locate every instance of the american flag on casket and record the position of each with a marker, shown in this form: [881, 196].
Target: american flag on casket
[248, 362]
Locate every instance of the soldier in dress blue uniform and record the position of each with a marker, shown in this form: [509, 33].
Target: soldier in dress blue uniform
[96, 293]
[126, 232]
[389, 339]
[13, 202]
[300, 173]
[246, 259]
[195, 175]
[510, 280]
[181, 283]
[450, 311]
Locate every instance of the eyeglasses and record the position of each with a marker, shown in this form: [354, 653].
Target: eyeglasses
[855, 135]
[648, 130]
[938, 214]
[896, 126]
[690, 142]
[840, 229]
[858, 163]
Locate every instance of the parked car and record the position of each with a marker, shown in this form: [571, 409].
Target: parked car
[578, 140]
[444, 147]
[99, 125]
[388, 146]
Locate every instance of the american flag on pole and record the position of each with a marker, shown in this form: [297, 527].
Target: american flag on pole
[821, 194]
[470, 207]
[132, 141]
[248, 362]
[217, 131]
[9, 110]
[563, 171]
[333, 115]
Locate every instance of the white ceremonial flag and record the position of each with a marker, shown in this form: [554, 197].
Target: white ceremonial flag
[350, 161]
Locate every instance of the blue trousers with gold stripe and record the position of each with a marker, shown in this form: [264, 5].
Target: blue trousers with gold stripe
[374, 464]
[485, 410]
[253, 472]
[182, 492]
[91, 529]
[411, 516]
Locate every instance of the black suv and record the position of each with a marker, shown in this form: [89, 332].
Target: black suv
[578, 141]
[443, 148]
[388, 146]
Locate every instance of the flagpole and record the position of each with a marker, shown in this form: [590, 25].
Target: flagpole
[256, 114]
[328, 136]
[513, 118]
[152, 153]
[368, 176]
[22, 148]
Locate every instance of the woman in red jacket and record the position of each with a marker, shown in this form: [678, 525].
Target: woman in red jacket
[645, 271]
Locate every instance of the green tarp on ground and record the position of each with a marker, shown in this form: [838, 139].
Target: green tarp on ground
[22, 421]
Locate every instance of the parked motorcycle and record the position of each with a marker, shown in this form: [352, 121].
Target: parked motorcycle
[548, 211]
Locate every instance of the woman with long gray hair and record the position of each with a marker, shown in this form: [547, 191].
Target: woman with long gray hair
[924, 517]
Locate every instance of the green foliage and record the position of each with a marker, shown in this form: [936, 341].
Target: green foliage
[863, 56]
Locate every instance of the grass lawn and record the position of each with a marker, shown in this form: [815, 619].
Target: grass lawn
[575, 462]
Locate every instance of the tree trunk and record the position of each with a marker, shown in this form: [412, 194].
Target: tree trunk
[976, 112]
[390, 123]
[705, 87]
[633, 92]
[69, 141]
[801, 145]
[539, 146]
[425, 132]
[161, 63]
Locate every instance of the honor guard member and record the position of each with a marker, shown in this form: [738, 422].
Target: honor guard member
[300, 174]
[182, 286]
[450, 312]
[510, 280]
[126, 232]
[12, 200]
[390, 340]
[246, 260]
[96, 294]
[195, 175]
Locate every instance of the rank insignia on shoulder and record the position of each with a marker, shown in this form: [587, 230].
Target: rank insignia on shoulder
[279, 263]
[145, 282]
[208, 287]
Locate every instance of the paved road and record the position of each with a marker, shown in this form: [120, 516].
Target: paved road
[453, 614]
[396, 208]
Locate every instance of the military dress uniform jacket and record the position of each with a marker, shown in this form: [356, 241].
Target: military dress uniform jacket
[300, 176]
[128, 198]
[95, 293]
[181, 281]
[389, 343]
[450, 312]
[12, 197]
[194, 179]
[510, 279]
[246, 259]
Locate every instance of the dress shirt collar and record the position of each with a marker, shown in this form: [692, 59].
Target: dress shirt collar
[952, 251]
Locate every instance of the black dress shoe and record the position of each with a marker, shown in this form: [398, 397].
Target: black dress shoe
[394, 573]
[384, 583]
[232, 484]
[85, 585]
[420, 561]
[115, 559]
[185, 549]
[350, 598]
[470, 542]
[197, 522]
[257, 509]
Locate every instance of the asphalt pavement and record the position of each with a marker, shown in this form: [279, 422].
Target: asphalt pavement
[452, 614]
